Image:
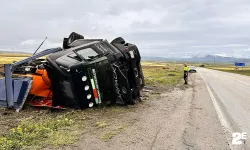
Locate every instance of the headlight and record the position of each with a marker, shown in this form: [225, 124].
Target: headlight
[84, 78]
[91, 104]
[27, 69]
[89, 96]
[86, 88]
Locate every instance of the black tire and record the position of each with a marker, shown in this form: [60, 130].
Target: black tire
[119, 40]
[65, 43]
[74, 36]
[132, 102]
[134, 97]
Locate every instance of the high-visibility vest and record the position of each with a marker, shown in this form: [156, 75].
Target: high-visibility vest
[186, 68]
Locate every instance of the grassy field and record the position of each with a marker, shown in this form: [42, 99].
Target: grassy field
[162, 73]
[9, 58]
[230, 68]
[34, 128]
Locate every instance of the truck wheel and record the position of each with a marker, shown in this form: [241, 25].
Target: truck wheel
[65, 43]
[119, 40]
[74, 36]
[132, 102]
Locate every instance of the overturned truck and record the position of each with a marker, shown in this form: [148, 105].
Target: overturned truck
[83, 73]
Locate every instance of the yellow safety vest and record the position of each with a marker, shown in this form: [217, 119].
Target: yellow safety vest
[186, 68]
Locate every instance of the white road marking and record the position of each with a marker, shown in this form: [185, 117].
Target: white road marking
[225, 125]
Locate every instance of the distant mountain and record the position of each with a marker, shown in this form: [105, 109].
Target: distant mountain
[219, 59]
[13, 52]
[153, 58]
[206, 59]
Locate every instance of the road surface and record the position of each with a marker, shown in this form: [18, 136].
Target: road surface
[231, 93]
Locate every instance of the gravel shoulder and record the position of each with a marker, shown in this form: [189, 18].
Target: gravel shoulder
[183, 118]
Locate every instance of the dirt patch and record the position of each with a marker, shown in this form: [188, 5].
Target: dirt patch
[156, 123]
[104, 119]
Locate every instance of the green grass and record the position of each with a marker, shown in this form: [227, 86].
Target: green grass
[230, 68]
[101, 124]
[37, 129]
[35, 134]
[109, 135]
[162, 73]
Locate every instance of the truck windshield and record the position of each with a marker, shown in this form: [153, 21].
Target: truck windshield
[85, 53]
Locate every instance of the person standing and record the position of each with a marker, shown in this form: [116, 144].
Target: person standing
[186, 73]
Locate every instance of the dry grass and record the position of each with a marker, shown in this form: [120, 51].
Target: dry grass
[162, 73]
[6, 58]
[109, 135]
[34, 131]
[230, 68]
[14, 55]
[9, 57]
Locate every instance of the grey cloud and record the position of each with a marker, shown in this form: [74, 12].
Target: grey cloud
[171, 28]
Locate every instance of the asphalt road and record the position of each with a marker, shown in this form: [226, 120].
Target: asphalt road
[230, 94]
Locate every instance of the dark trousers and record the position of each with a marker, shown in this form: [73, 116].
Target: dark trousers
[186, 77]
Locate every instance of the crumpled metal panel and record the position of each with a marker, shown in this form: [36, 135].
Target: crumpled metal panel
[21, 87]
[2, 90]
[40, 54]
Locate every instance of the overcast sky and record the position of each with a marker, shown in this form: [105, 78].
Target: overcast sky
[168, 28]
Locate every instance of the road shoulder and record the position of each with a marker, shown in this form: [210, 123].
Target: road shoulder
[204, 130]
